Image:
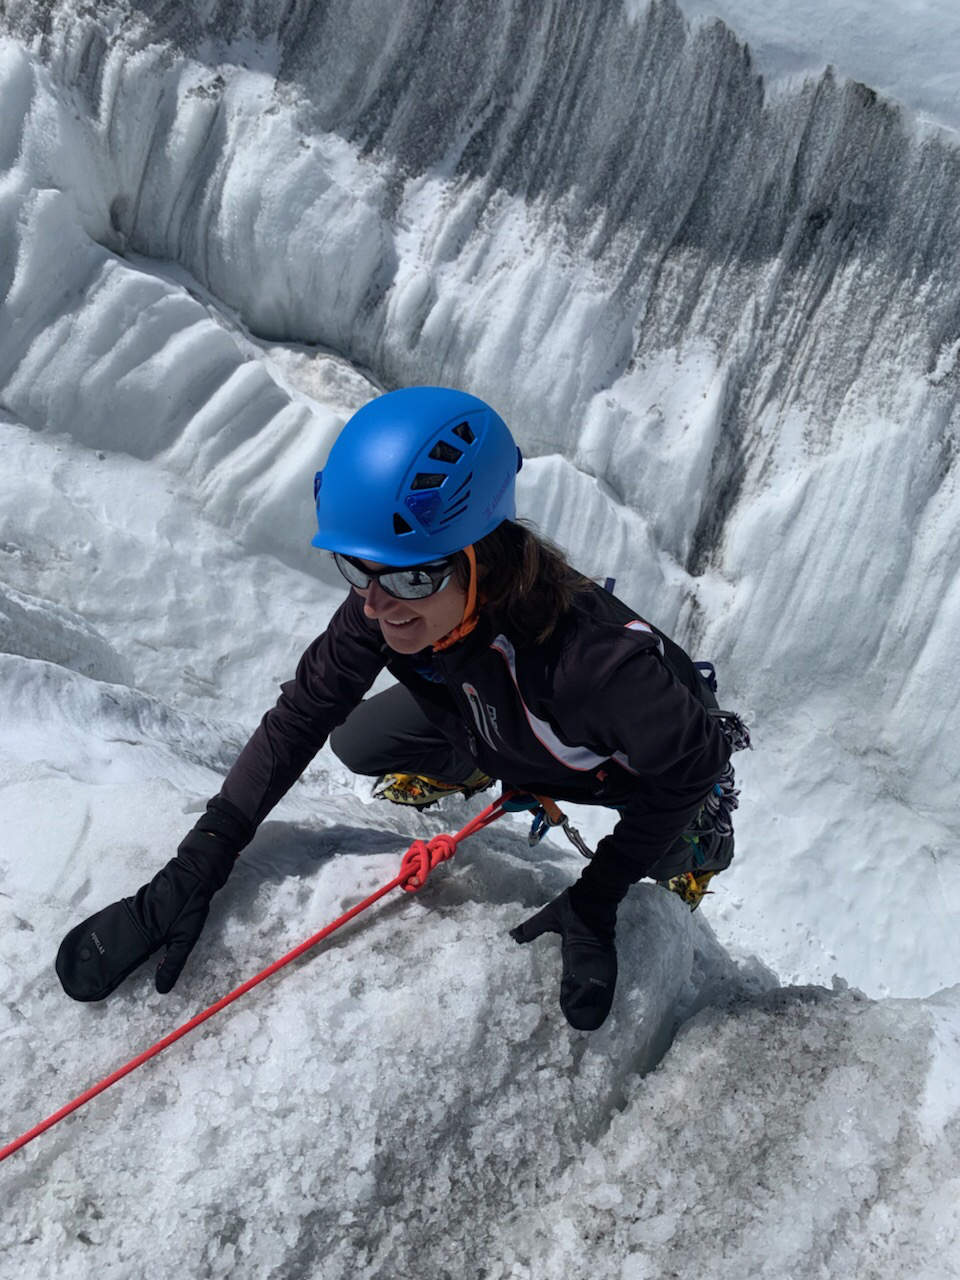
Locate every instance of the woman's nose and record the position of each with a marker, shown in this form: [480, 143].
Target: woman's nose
[374, 598]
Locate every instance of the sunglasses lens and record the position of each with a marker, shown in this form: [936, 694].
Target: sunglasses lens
[352, 572]
[413, 584]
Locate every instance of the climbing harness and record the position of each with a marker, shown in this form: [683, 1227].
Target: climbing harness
[714, 823]
[421, 858]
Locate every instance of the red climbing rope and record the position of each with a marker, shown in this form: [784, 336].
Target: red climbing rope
[419, 860]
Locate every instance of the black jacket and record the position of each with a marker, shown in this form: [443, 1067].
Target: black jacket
[605, 712]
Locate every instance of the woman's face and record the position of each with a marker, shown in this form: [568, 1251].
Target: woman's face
[411, 625]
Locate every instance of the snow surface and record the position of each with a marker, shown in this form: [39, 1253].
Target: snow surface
[408, 1101]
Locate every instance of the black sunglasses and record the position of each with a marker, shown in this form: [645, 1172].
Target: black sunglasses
[415, 583]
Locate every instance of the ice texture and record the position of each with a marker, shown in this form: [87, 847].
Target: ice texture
[720, 314]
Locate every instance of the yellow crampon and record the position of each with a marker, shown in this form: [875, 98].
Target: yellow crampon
[690, 887]
[419, 791]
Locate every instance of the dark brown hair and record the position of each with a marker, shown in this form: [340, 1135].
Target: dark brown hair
[524, 580]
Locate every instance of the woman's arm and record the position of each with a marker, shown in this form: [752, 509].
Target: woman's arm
[332, 676]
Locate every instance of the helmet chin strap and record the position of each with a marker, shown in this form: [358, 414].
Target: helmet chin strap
[471, 610]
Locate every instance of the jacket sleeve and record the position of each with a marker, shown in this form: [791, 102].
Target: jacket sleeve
[659, 731]
[332, 676]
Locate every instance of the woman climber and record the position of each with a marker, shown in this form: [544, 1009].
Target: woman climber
[509, 665]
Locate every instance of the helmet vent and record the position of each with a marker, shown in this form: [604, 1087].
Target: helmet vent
[427, 480]
[458, 510]
[400, 525]
[457, 492]
[464, 432]
[444, 452]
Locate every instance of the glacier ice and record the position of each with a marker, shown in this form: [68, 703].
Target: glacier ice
[721, 317]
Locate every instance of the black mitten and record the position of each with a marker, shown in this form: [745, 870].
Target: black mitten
[589, 958]
[96, 956]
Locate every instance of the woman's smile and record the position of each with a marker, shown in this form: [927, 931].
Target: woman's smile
[409, 627]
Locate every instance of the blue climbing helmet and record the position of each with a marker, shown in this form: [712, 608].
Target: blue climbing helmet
[416, 475]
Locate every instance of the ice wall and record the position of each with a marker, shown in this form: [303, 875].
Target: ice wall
[580, 216]
[735, 311]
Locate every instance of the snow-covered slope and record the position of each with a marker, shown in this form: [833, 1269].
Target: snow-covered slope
[722, 319]
[409, 1097]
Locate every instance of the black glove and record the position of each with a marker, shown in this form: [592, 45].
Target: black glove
[96, 956]
[589, 958]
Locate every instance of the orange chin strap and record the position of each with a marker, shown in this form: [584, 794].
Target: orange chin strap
[471, 610]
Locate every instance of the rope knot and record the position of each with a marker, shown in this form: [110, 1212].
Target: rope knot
[421, 858]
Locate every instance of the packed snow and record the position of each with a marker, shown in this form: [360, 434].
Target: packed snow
[203, 278]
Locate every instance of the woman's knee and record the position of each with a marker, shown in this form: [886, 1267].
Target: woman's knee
[349, 748]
